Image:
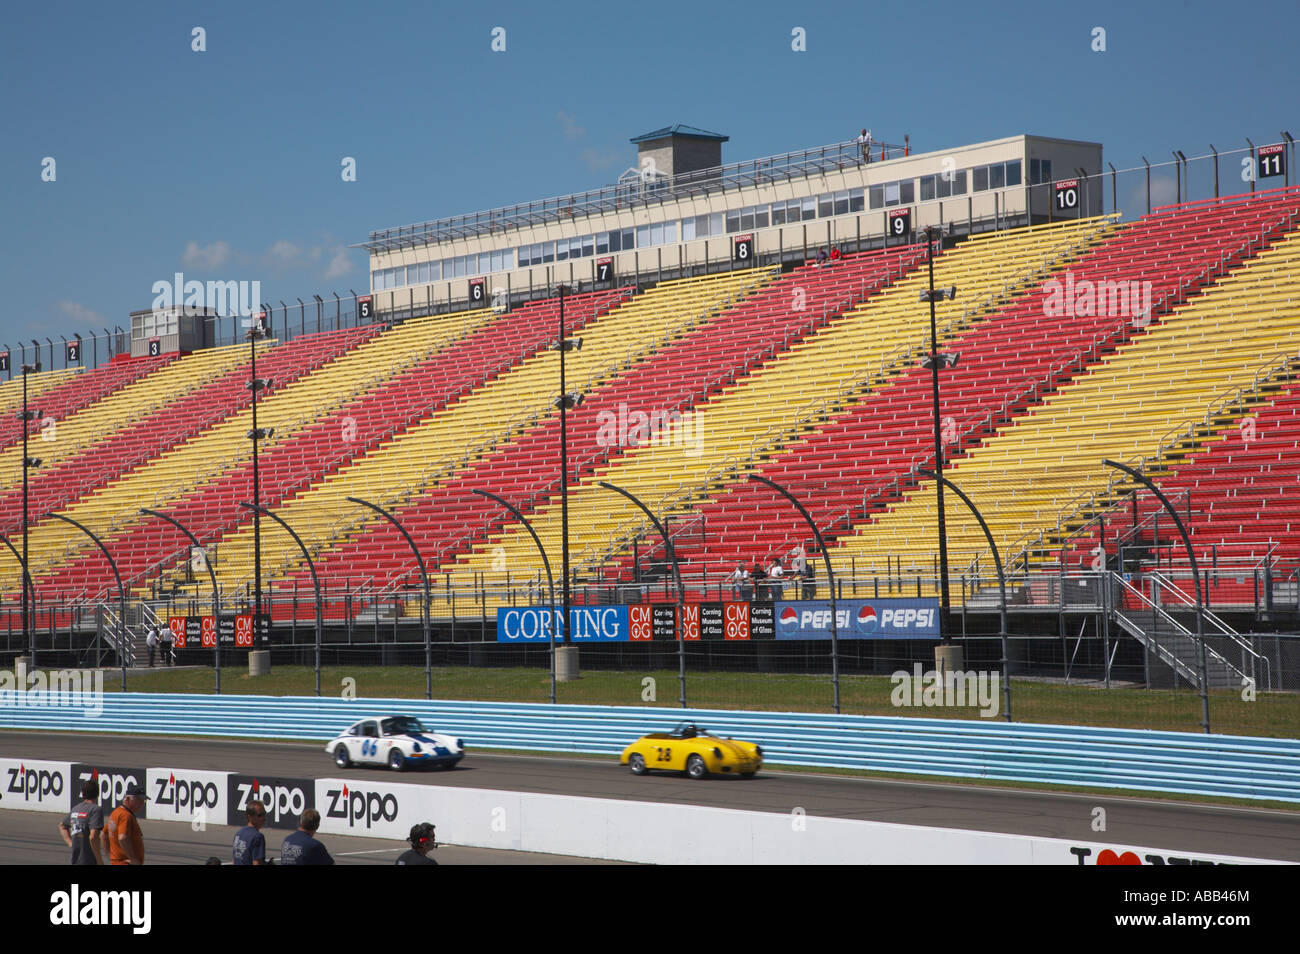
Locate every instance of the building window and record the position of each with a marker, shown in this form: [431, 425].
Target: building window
[1040, 171]
[999, 175]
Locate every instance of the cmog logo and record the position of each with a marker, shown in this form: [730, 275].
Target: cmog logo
[356, 807]
[285, 799]
[112, 784]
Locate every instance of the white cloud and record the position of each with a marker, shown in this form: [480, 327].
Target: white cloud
[80, 313]
[340, 265]
[570, 126]
[205, 256]
[284, 254]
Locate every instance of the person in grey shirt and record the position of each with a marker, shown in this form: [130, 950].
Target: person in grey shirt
[80, 828]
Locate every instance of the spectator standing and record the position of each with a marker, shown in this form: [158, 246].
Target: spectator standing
[81, 827]
[422, 842]
[759, 576]
[797, 561]
[776, 574]
[809, 577]
[122, 836]
[864, 143]
[249, 847]
[301, 847]
[151, 641]
[738, 579]
[168, 643]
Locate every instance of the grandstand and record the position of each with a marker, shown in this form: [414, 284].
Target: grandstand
[716, 345]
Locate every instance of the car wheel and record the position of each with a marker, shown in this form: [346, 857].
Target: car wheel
[341, 757]
[637, 763]
[396, 760]
[696, 768]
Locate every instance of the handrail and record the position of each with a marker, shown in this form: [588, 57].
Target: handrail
[642, 190]
[1223, 628]
[1190, 673]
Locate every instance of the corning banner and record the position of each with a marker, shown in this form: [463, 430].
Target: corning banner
[588, 624]
[285, 799]
[859, 619]
[35, 786]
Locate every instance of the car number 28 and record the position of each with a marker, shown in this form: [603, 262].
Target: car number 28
[665, 754]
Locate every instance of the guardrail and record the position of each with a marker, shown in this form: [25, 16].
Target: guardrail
[1146, 760]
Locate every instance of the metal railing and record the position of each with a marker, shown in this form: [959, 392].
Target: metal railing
[641, 190]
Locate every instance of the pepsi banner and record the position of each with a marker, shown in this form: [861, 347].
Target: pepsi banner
[859, 619]
[587, 624]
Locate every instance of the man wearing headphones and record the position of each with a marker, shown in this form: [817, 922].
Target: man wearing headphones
[422, 842]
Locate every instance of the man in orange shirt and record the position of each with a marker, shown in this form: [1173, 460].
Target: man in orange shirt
[123, 840]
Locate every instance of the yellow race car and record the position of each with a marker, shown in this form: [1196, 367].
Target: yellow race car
[689, 748]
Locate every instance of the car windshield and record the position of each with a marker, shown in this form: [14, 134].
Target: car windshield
[402, 725]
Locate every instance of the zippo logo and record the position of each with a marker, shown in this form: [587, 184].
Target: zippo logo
[32, 783]
[184, 795]
[285, 799]
[112, 784]
[355, 806]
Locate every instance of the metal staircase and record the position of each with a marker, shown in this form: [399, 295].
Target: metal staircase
[1170, 641]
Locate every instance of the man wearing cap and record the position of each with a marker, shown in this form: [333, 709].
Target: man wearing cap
[122, 838]
[422, 842]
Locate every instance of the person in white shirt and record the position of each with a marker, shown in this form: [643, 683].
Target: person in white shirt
[775, 574]
[738, 578]
[864, 142]
[151, 641]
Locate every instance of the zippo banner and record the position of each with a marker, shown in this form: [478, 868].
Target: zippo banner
[859, 619]
[186, 795]
[374, 809]
[36, 786]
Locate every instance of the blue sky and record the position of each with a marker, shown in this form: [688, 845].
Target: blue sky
[225, 164]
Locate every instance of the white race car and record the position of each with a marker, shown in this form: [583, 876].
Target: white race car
[395, 741]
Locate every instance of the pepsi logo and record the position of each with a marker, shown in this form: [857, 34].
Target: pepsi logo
[788, 620]
[867, 620]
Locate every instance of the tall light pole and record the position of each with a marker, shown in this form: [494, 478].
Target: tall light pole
[934, 361]
[566, 401]
[256, 332]
[424, 580]
[546, 564]
[28, 416]
[1165, 502]
[212, 576]
[315, 581]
